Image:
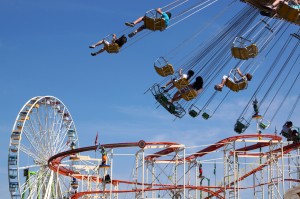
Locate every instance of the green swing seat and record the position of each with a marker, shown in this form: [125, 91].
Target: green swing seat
[240, 127]
[205, 115]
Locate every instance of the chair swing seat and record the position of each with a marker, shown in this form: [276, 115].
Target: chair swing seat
[240, 127]
[205, 115]
[236, 87]
[165, 70]
[244, 53]
[112, 48]
[263, 125]
[181, 83]
[189, 95]
[194, 111]
[154, 23]
[288, 13]
[176, 110]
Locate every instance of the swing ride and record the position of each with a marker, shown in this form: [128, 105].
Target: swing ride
[244, 42]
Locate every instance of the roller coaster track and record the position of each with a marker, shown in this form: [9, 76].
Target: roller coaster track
[55, 161]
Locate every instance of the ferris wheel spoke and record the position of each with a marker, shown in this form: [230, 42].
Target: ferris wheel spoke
[30, 153]
[33, 142]
[63, 146]
[29, 125]
[33, 124]
[57, 135]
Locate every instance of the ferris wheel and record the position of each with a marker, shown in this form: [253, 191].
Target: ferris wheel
[43, 128]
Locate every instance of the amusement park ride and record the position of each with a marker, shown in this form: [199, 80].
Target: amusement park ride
[45, 160]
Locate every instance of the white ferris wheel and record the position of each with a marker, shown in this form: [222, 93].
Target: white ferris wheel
[43, 128]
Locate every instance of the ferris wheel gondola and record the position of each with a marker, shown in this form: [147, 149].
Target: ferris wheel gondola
[43, 128]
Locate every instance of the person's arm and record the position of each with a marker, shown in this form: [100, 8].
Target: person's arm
[199, 91]
[180, 73]
[239, 72]
[114, 38]
[158, 10]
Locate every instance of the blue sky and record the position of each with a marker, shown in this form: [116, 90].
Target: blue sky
[44, 51]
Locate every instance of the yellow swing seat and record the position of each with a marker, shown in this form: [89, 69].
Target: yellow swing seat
[165, 70]
[236, 87]
[244, 53]
[112, 48]
[189, 95]
[288, 13]
[154, 23]
[181, 83]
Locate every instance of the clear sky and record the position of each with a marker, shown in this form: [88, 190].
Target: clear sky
[44, 51]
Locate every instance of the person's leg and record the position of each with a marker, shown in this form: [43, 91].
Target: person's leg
[275, 3]
[176, 97]
[167, 84]
[132, 24]
[218, 87]
[96, 53]
[139, 20]
[97, 44]
[136, 31]
[171, 87]
[223, 81]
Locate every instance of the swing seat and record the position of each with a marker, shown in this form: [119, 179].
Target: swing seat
[181, 83]
[193, 113]
[239, 127]
[205, 115]
[177, 110]
[163, 100]
[165, 70]
[288, 13]
[236, 87]
[189, 95]
[112, 48]
[244, 53]
[262, 125]
[154, 23]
